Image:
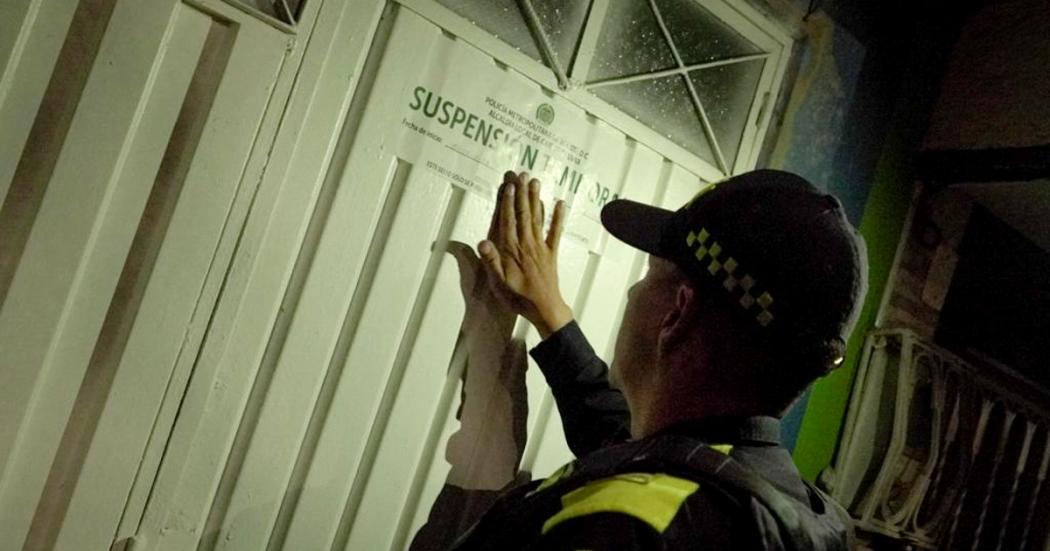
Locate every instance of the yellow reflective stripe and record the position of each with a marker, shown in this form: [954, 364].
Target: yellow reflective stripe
[724, 449]
[559, 474]
[652, 498]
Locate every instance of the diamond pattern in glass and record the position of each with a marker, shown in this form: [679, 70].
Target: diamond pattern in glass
[664, 105]
[727, 92]
[502, 18]
[630, 43]
[562, 21]
[699, 36]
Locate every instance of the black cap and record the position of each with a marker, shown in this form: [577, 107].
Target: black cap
[779, 251]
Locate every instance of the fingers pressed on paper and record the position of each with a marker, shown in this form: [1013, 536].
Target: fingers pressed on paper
[543, 218]
[494, 223]
[490, 258]
[557, 226]
[522, 211]
[509, 177]
[508, 231]
[536, 209]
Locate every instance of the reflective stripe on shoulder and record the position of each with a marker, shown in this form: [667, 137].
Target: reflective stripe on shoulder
[559, 474]
[723, 449]
[651, 498]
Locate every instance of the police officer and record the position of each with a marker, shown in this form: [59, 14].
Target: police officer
[751, 292]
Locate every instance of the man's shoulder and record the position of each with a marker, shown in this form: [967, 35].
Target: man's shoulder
[677, 489]
[650, 510]
[656, 494]
[650, 489]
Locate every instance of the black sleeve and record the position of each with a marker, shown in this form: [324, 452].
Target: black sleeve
[593, 413]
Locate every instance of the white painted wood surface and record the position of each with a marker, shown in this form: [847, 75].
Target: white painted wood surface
[181, 495]
[75, 252]
[31, 34]
[81, 236]
[226, 154]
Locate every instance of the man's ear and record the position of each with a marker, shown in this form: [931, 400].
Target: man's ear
[676, 324]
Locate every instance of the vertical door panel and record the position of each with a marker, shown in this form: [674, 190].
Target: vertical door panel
[417, 206]
[389, 481]
[60, 291]
[376, 360]
[29, 45]
[116, 256]
[217, 129]
[301, 368]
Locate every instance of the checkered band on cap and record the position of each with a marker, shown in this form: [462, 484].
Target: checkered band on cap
[717, 262]
[780, 251]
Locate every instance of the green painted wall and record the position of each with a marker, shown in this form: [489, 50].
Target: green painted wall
[920, 54]
[881, 226]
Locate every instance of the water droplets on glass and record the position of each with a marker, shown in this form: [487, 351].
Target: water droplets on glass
[630, 43]
[287, 11]
[699, 36]
[663, 104]
[562, 21]
[501, 18]
[727, 93]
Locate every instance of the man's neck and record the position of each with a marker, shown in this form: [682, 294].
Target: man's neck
[665, 410]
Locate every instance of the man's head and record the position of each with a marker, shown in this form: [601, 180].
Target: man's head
[752, 290]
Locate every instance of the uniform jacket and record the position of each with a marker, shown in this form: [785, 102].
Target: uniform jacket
[649, 493]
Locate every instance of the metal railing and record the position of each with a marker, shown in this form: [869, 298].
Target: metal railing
[941, 452]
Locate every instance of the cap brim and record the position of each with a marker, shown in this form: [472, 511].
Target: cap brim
[639, 225]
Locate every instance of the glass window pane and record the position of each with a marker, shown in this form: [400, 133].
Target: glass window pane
[630, 43]
[699, 35]
[501, 18]
[562, 20]
[286, 10]
[664, 105]
[727, 93]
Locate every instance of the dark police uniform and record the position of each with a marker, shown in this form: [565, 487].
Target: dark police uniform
[722, 483]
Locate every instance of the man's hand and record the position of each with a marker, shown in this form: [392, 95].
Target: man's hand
[521, 263]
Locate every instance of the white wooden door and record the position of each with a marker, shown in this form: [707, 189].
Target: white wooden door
[340, 435]
[118, 267]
